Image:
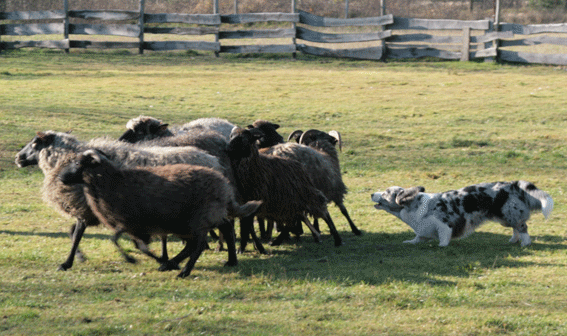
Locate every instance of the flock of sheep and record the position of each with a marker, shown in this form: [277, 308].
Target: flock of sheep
[185, 181]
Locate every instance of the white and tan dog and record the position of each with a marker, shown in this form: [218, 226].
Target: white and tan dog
[457, 213]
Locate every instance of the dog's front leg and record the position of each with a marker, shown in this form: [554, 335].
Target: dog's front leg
[515, 237]
[445, 232]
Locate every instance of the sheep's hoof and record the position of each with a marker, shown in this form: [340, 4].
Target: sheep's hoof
[63, 267]
[231, 263]
[168, 266]
[183, 275]
[357, 233]
[338, 243]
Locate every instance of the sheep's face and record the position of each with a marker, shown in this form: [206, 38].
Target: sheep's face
[29, 155]
[271, 137]
[73, 173]
[314, 135]
[243, 143]
[144, 129]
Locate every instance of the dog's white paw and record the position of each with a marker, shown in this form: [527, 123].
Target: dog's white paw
[413, 241]
[525, 239]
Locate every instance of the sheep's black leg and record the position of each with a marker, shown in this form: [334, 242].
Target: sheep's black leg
[77, 235]
[332, 227]
[246, 230]
[257, 243]
[199, 241]
[316, 224]
[353, 227]
[164, 256]
[173, 263]
[126, 256]
[284, 234]
[79, 255]
[262, 227]
[227, 231]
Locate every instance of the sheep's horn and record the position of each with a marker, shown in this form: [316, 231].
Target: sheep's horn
[337, 136]
[308, 135]
[295, 135]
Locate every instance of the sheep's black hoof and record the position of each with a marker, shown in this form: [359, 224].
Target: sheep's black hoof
[168, 266]
[357, 233]
[63, 267]
[183, 275]
[231, 263]
[338, 243]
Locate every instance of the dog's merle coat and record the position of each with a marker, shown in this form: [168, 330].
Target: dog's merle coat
[457, 213]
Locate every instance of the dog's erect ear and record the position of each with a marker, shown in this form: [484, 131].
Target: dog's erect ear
[408, 195]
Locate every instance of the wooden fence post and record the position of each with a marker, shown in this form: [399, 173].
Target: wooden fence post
[216, 11]
[346, 9]
[141, 24]
[496, 42]
[294, 27]
[66, 24]
[465, 51]
[381, 28]
[235, 6]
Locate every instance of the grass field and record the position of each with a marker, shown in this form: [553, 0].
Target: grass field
[442, 125]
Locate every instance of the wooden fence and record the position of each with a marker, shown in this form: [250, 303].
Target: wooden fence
[386, 37]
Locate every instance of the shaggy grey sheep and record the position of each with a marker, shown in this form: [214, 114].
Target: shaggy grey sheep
[319, 156]
[49, 147]
[184, 200]
[148, 128]
[282, 184]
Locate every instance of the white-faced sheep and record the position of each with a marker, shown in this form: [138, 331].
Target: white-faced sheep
[53, 146]
[282, 184]
[183, 200]
[319, 156]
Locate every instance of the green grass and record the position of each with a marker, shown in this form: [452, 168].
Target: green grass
[442, 125]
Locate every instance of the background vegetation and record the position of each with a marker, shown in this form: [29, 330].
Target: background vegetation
[442, 125]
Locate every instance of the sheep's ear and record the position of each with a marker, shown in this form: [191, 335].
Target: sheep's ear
[295, 135]
[69, 131]
[408, 195]
[249, 127]
[276, 126]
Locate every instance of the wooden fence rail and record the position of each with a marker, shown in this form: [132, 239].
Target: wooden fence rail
[385, 37]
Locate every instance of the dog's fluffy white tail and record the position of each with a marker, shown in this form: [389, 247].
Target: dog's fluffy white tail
[547, 206]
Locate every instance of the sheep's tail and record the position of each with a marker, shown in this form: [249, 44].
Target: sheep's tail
[245, 210]
[544, 199]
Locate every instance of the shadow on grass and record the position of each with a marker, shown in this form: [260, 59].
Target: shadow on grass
[373, 258]
[376, 258]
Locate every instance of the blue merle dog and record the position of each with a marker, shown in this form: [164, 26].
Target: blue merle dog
[457, 213]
